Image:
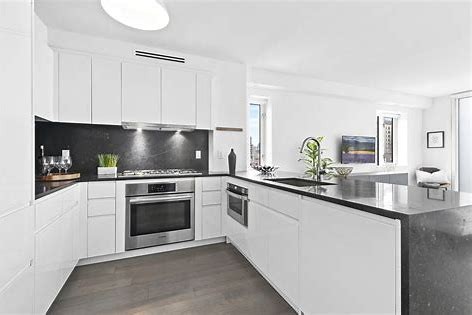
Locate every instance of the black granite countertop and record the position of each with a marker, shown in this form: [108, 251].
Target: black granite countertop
[389, 200]
[45, 188]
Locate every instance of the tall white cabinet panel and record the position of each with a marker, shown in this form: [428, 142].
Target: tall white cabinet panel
[106, 91]
[16, 215]
[348, 261]
[203, 101]
[178, 97]
[15, 121]
[74, 88]
[141, 96]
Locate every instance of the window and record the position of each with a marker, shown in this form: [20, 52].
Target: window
[391, 138]
[255, 135]
[388, 139]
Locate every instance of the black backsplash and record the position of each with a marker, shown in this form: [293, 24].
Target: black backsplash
[137, 149]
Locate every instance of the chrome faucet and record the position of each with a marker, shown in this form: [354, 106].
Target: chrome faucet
[318, 172]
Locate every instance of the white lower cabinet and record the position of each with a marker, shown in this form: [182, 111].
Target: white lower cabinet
[101, 221]
[349, 261]
[273, 248]
[101, 235]
[56, 243]
[49, 272]
[208, 207]
[282, 258]
[211, 221]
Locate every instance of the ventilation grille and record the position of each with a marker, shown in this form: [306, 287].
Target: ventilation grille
[146, 54]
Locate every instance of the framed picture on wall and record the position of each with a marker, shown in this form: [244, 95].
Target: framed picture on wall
[435, 139]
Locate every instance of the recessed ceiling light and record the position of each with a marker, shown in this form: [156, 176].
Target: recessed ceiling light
[148, 15]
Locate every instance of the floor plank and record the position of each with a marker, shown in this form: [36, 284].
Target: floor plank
[213, 279]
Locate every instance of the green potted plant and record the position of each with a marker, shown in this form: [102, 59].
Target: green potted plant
[107, 164]
[310, 158]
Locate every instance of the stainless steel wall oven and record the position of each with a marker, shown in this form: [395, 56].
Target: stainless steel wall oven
[159, 212]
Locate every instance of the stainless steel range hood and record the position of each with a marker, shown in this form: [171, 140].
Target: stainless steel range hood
[159, 127]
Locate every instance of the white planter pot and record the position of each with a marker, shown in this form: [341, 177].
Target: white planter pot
[107, 171]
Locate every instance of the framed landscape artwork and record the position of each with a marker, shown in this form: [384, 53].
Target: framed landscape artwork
[357, 149]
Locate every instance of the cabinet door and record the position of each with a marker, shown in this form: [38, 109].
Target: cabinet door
[101, 235]
[15, 117]
[203, 101]
[74, 88]
[141, 95]
[211, 221]
[106, 91]
[67, 248]
[49, 260]
[347, 261]
[43, 97]
[178, 97]
[282, 253]
[258, 236]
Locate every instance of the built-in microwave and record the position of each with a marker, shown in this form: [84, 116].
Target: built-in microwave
[237, 203]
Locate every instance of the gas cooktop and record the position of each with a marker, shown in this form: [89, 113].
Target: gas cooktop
[158, 172]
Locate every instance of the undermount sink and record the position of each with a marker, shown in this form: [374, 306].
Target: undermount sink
[299, 182]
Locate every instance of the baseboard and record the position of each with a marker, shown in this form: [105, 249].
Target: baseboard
[150, 251]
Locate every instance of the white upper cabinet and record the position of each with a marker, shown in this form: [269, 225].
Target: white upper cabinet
[203, 101]
[43, 58]
[178, 97]
[141, 94]
[106, 91]
[74, 88]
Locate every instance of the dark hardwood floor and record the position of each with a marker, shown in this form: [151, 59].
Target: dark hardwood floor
[214, 279]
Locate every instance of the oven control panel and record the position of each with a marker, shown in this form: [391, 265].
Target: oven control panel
[161, 187]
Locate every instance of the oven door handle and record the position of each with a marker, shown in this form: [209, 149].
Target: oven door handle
[159, 199]
[232, 194]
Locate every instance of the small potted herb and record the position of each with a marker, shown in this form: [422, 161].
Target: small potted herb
[107, 164]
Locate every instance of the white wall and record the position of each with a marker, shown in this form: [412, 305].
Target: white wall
[229, 101]
[298, 114]
[439, 118]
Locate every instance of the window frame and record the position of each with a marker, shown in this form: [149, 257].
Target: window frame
[262, 130]
[381, 116]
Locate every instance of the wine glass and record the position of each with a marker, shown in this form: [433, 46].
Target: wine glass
[57, 163]
[49, 163]
[66, 163]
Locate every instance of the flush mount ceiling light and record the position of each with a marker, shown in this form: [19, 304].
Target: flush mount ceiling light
[147, 15]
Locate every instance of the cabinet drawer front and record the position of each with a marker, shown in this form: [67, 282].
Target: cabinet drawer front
[98, 207]
[101, 235]
[71, 198]
[259, 194]
[101, 190]
[211, 198]
[48, 210]
[211, 183]
[285, 203]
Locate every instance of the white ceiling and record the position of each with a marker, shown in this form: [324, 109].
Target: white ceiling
[422, 48]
